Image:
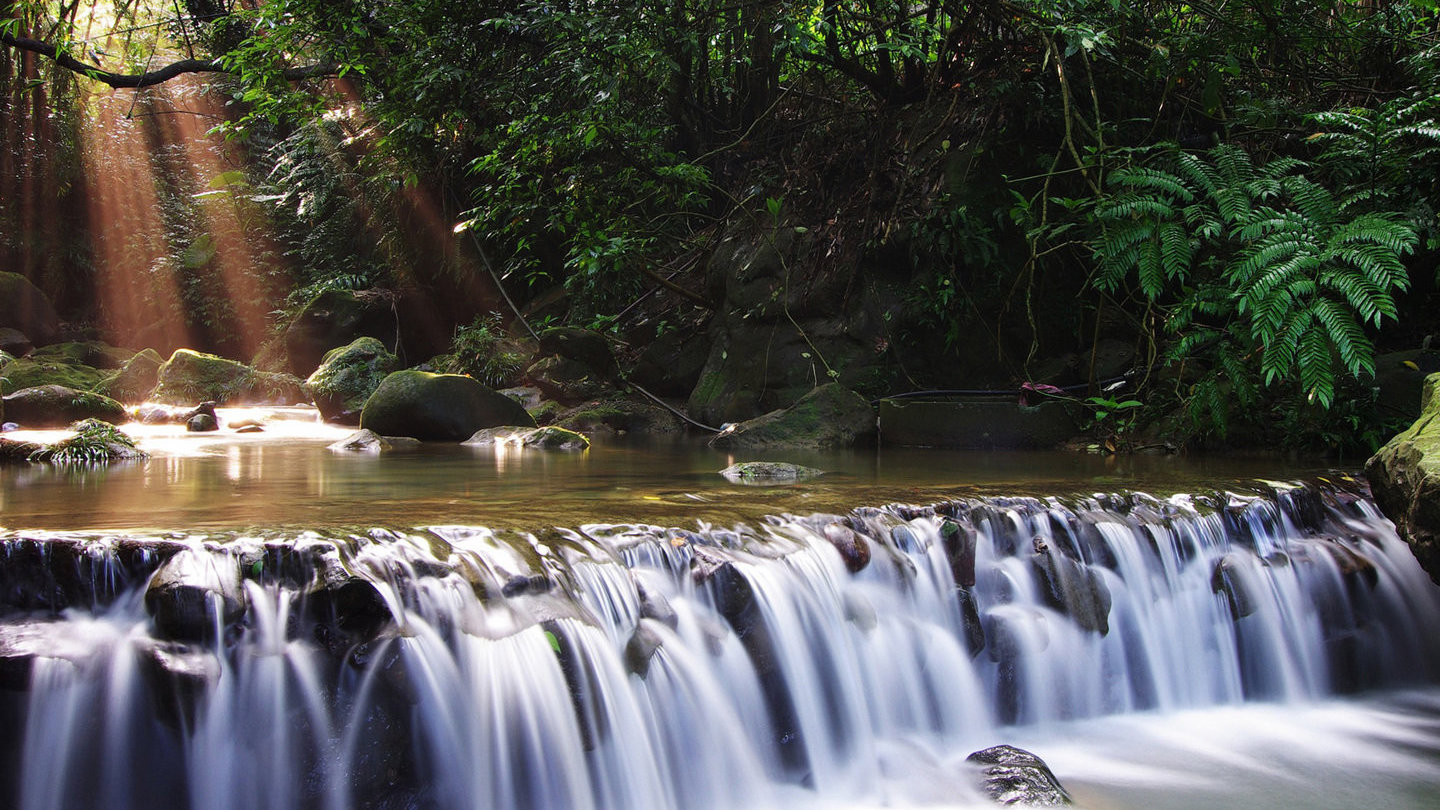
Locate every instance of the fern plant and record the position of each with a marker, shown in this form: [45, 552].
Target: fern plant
[1262, 271]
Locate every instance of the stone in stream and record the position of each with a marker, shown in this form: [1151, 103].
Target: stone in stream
[854, 547]
[829, 416]
[52, 406]
[368, 441]
[1013, 776]
[438, 407]
[347, 377]
[768, 472]
[549, 437]
[1072, 587]
[194, 594]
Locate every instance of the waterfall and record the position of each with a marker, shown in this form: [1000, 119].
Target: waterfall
[808, 659]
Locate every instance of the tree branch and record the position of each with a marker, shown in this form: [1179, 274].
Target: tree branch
[151, 77]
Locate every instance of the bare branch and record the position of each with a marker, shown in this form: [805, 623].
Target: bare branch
[151, 77]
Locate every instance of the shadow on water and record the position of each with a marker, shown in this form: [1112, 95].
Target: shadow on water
[230, 481]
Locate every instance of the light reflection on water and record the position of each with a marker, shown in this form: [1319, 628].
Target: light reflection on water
[286, 477]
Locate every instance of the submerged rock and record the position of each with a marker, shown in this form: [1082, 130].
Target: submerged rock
[50, 406]
[768, 472]
[1072, 587]
[363, 441]
[828, 416]
[1014, 776]
[438, 407]
[347, 377]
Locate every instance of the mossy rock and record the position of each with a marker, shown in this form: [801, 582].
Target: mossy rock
[190, 376]
[828, 416]
[1405, 479]
[582, 345]
[546, 412]
[347, 377]
[93, 353]
[438, 407]
[136, 379]
[620, 415]
[568, 380]
[543, 438]
[51, 406]
[38, 370]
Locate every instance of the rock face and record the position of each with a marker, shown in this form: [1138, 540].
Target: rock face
[1014, 776]
[25, 308]
[347, 377]
[828, 416]
[438, 407]
[190, 376]
[574, 365]
[49, 406]
[1405, 479]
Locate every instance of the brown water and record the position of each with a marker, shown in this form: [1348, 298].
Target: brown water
[286, 477]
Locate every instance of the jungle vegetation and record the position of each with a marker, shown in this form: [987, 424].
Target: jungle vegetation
[1247, 190]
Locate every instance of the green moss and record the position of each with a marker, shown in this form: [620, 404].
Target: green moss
[94, 442]
[32, 371]
[135, 380]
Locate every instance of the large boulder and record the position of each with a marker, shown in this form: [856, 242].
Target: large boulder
[14, 342]
[82, 366]
[25, 308]
[333, 319]
[583, 345]
[347, 377]
[438, 407]
[136, 379]
[828, 416]
[670, 365]
[190, 376]
[1405, 479]
[51, 406]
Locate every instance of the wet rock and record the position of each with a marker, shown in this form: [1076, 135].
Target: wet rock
[438, 407]
[549, 437]
[347, 376]
[362, 441]
[193, 595]
[959, 547]
[191, 376]
[14, 451]
[655, 606]
[179, 675]
[618, 415]
[202, 423]
[641, 647]
[1013, 776]
[50, 406]
[25, 308]
[250, 429]
[1232, 577]
[828, 416]
[340, 610]
[22, 641]
[1072, 588]
[768, 472]
[854, 548]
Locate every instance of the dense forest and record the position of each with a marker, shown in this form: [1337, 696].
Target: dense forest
[1234, 203]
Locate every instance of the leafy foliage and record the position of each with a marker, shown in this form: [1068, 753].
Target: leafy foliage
[94, 442]
[479, 351]
[1254, 262]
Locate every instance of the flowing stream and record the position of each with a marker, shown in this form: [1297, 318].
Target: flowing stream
[1265, 646]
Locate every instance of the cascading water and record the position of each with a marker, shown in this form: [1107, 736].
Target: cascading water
[813, 660]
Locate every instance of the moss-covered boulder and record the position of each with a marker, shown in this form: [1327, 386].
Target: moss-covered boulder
[582, 345]
[51, 406]
[190, 376]
[347, 377]
[438, 407]
[1405, 479]
[567, 380]
[25, 308]
[40, 368]
[768, 472]
[618, 415]
[828, 416]
[14, 342]
[135, 380]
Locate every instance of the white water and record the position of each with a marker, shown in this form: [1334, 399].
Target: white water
[798, 682]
